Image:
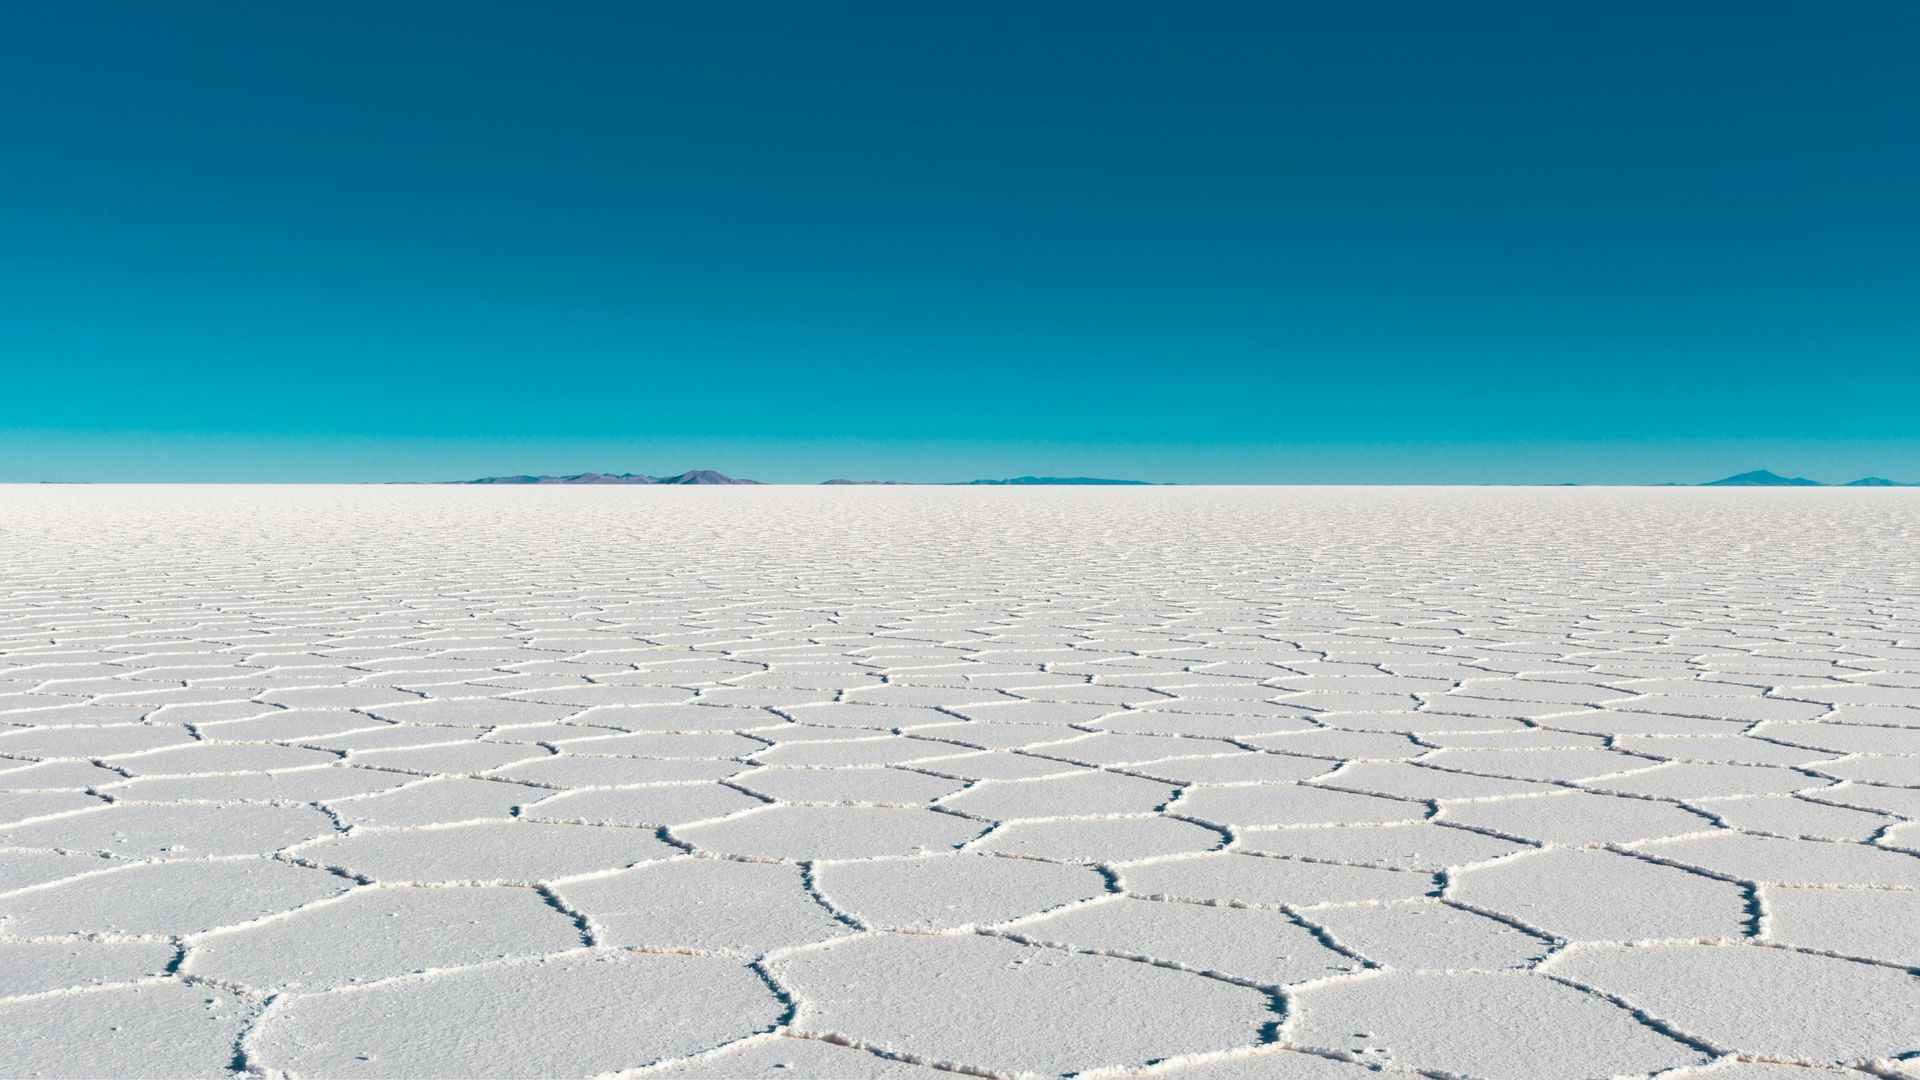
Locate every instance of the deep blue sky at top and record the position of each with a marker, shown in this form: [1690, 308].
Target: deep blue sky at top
[1484, 241]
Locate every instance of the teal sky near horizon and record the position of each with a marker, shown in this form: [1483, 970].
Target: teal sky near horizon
[1253, 242]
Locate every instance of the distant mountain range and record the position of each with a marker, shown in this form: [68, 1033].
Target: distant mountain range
[1756, 478]
[1761, 478]
[692, 476]
[1765, 478]
[1028, 480]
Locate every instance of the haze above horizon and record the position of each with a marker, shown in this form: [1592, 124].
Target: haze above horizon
[1481, 243]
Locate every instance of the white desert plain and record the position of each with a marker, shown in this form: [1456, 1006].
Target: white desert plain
[1208, 783]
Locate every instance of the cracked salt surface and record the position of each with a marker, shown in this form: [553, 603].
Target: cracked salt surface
[1208, 783]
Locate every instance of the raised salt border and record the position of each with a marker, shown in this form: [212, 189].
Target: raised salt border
[1210, 783]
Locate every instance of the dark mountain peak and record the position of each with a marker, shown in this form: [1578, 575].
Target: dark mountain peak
[1876, 481]
[1027, 480]
[701, 476]
[1762, 478]
[601, 478]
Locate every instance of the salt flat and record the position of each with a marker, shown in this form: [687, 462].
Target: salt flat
[1209, 783]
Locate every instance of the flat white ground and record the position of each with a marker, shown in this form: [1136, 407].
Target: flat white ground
[1207, 783]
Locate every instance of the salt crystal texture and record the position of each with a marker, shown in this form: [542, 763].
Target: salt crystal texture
[1209, 783]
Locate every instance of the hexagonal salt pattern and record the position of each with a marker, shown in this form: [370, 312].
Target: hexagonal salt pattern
[1208, 783]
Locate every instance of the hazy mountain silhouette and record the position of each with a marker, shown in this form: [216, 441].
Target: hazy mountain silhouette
[692, 476]
[1026, 480]
[701, 476]
[1756, 478]
[576, 478]
[1762, 478]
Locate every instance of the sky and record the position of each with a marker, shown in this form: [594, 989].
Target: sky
[1270, 242]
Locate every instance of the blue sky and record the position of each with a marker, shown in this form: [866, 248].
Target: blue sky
[1263, 242]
